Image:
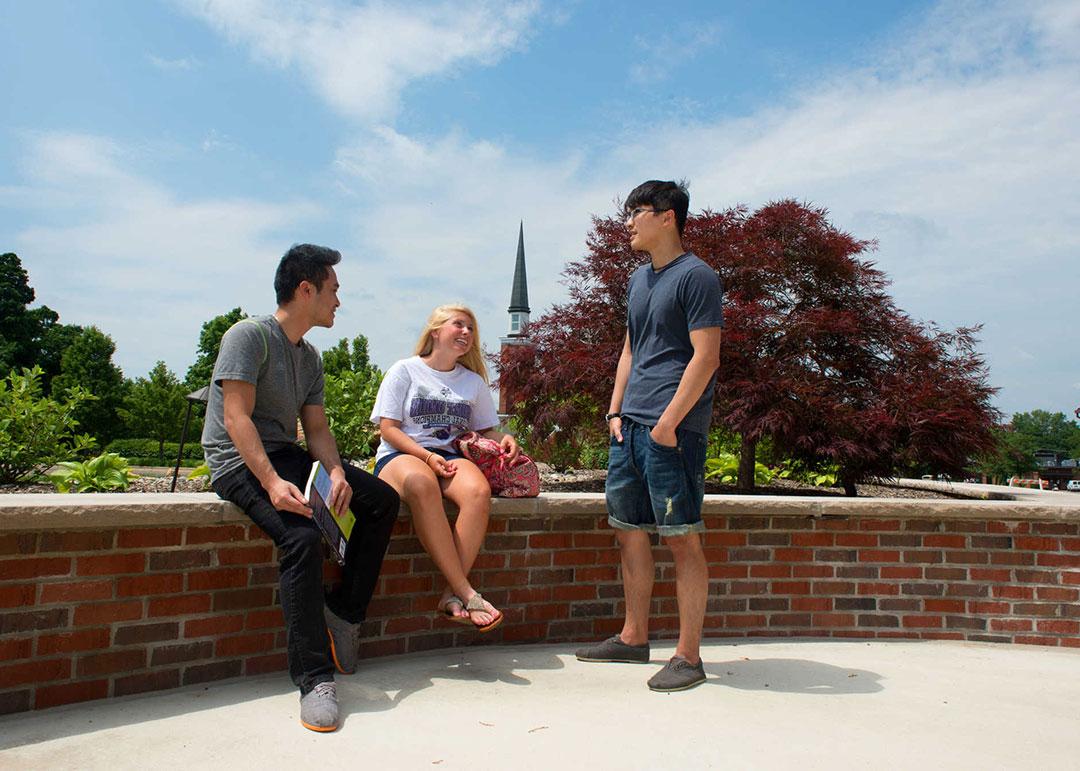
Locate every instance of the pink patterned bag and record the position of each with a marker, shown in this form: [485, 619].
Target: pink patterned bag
[520, 480]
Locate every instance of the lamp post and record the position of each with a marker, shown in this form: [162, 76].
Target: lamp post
[195, 396]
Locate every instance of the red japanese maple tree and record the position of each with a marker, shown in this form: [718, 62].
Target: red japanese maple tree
[815, 354]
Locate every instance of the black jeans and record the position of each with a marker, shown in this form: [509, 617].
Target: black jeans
[375, 505]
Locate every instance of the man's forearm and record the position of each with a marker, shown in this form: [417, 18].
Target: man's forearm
[245, 437]
[695, 378]
[324, 449]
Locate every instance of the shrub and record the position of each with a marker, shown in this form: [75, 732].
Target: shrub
[107, 472]
[349, 399]
[144, 452]
[36, 432]
[724, 468]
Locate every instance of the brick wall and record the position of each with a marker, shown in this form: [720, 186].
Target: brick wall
[111, 611]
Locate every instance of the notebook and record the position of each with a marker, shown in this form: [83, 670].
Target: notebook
[336, 528]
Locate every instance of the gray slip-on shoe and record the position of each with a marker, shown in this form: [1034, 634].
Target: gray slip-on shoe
[678, 675]
[319, 708]
[614, 650]
[344, 642]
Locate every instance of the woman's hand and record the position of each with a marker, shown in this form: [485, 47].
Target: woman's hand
[440, 465]
[509, 447]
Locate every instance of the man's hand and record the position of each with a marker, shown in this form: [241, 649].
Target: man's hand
[664, 436]
[340, 491]
[614, 428]
[285, 496]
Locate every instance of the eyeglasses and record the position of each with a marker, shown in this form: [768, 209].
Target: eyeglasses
[633, 213]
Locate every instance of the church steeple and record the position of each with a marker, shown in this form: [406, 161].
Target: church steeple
[519, 293]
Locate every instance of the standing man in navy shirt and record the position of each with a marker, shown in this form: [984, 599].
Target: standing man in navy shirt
[658, 419]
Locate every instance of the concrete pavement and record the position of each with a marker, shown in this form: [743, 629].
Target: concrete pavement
[767, 704]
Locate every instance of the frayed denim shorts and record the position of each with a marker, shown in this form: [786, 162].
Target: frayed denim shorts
[656, 488]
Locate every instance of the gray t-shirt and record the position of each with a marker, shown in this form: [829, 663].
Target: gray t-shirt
[664, 307]
[286, 377]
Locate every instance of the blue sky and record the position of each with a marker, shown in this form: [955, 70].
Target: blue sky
[158, 157]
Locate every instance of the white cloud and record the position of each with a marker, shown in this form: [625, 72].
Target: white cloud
[957, 150]
[112, 248]
[655, 61]
[359, 58]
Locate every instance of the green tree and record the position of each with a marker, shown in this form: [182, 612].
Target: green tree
[1047, 430]
[35, 431]
[87, 362]
[23, 329]
[154, 407]
[199, 373]
[1012, 455]
[341, 357]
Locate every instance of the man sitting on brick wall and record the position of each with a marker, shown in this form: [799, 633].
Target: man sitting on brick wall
[266, 376]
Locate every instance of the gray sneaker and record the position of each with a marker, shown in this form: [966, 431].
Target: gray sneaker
[678, 675]
[319, 709]
[615, 650]
[344, 642]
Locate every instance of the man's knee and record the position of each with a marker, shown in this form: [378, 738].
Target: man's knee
[685, 546]
[302, 544]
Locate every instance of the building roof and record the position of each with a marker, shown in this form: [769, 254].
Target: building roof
[519, 294]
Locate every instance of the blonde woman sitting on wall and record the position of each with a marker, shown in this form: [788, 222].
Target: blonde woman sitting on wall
[424, 404]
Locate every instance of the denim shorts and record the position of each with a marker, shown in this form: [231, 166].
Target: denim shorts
[381, 463]
[656, 488]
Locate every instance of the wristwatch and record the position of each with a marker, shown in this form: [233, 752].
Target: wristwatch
[610, 415]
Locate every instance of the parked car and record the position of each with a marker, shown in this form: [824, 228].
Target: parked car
[1074, 485]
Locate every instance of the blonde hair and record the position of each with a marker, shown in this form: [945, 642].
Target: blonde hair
[473, 358]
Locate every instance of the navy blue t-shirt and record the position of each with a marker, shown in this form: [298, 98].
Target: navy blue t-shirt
[664, 307]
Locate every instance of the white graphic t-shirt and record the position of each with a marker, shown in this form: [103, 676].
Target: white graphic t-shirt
[434, 407]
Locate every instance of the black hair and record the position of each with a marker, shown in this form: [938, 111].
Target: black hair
[303, 262]
[661, 196]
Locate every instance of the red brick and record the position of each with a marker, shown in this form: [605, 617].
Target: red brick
[989, 608]
[856, 539]
[179, 559]
[728, 571]
[407, 584]
[1056, 528]
[408, 624]
[966, 557]
[107, 612]
[264, 619]
[487, 562]
[217, 670]
[1036, 576]
[34, 567]
[594, 540]
[922, 557]
[213, 625]
[878, 588]
[770, 571]
[554, 540]
[813, 571]
[110, 564]
[793, 555]
[812, 539]
[264, 575]
[15, 701]
[146, 633]
[260, 642]
[572, 592]
[246, 555]
[943, 606]
[33, 620]
[178, 654]
[1034, 543]
[901, 572]
[594, 574]
[1010, 624]
[1070, 578]
[143, 586]
[1008, 527]
[18, 543]
[159, 680]
[215, 534]
[243, 599]
[70, 693]
[229, 578]
[833, 619]
[937, 540]
[74, 592]
[261, 665]
[1012, 558]
[991, 574]
[834, 587]
[922, 622]
[575, 557]
[1059, 560]
[715, 538]
[878, 555]
[791, 587]
[11, 649]
[1057, 626]
[17, 595]
[1036, 640]
[76, 541]
[148, 537]
[111, 662]
[36, 671]
[1056, 593]
[179, 605]
[72, 642]
[1013, 592]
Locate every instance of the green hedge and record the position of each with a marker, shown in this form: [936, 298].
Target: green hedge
[144, 452]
